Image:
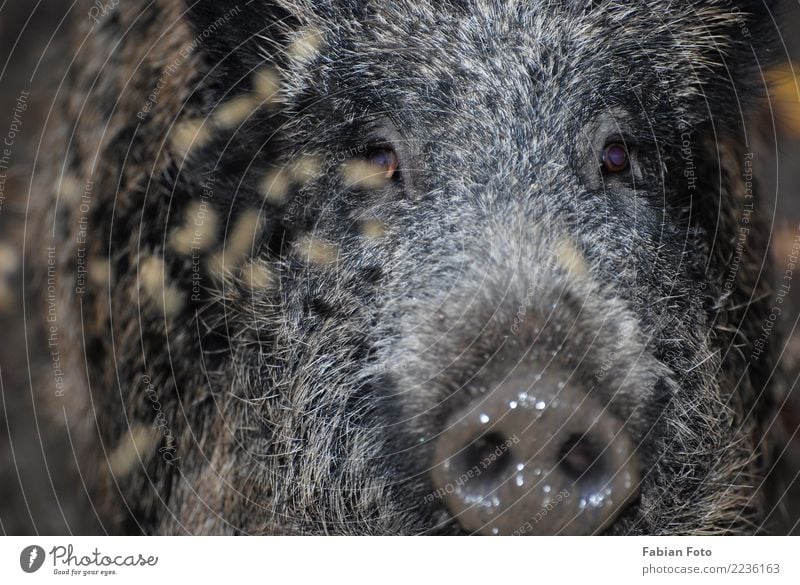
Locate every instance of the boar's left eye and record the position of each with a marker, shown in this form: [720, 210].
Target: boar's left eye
[386, 160]
[615, 157]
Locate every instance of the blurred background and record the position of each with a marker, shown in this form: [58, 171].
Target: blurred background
[39, 489]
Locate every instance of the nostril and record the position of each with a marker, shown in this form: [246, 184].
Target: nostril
[544, 466]
[485, 461]
[580, 458]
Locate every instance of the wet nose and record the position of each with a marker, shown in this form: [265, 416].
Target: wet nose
[535, 458]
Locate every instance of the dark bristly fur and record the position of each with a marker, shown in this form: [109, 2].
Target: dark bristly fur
[309, 402]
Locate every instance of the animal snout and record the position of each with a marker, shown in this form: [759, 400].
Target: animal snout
[542, 457]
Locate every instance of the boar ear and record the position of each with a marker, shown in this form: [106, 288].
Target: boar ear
[737, 39]
[239, 36]
[744, 24]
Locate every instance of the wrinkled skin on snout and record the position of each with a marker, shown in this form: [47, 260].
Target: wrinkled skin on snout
[505, 245]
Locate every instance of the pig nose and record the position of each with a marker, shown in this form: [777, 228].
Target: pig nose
[535, 458]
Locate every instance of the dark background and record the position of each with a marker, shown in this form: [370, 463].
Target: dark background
[39, 490]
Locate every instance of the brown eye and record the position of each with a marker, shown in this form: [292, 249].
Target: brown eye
[386, 160]
[615, 157]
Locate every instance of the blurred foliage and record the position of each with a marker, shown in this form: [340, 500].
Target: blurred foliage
[784, 84]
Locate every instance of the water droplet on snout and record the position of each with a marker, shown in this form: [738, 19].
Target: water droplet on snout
[495, 530]
[512, 405]
[546, 489]
[484, 418]
[520, 480]
[597, 500]
[520, 466]
[540, 405]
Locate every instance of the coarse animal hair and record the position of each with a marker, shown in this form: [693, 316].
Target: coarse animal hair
[305, 325]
